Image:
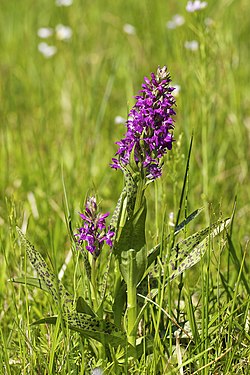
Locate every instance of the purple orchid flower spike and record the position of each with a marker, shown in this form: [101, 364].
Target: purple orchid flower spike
[94, 232]
[149, 126]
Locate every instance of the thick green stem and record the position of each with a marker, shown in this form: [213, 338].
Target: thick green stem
[132, 300]
[93, 285]
[98, 309]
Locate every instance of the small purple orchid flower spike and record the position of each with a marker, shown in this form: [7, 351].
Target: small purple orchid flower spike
[94, 232]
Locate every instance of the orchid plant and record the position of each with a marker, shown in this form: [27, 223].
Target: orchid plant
[140, 154]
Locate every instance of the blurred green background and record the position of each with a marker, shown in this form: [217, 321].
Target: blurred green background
[58, 113]
[60, 98]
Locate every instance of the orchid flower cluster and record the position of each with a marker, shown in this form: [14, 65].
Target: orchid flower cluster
[149, 126]
[93, 231]
[148, 137]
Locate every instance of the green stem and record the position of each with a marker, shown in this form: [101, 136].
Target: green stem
[93, 285]
[98, 309]
[132, 300]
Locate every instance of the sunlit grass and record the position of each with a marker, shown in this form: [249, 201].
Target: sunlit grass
[58, 126]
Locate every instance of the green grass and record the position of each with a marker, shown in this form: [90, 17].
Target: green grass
[57, 127]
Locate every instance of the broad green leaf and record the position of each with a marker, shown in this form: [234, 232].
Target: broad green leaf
[105, 332]
[54, 286]
[47, 320]
[141, 264]
[153, 253]
[131, 189]
[86, 262]
[114, 222]
[133, 237]
[119, 302]
[191, 250]
[124, 240]
[125, 206]
[83, 307]
[132, 163]
[90, 327]
[31, 281]
[133, 232]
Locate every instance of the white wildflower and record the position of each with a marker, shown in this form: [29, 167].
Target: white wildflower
[63, 32]
[119, 120]
[171, 25]
[64, 3]
[44, 32]
[177, 89]
[193, 6]
[191, 45]
[97, 371]
[208, 22]
[46, 50]
[171, 219]
[176, 21]
[129, 29]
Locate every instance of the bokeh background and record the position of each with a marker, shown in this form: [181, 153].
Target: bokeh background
[68, 77]
[68, 74]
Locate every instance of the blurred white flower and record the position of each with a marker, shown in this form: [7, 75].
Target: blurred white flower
[192, 45]
[129, 29]
[44, 32]
[97, 371]
[63, 32]
[46, 50]
[176, 21]
[208, 22]
[64, 3]
[171, 25]
[193, 6]
[171, 219]
[119, 120]
[177, 89]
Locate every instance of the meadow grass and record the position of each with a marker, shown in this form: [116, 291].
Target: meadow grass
[58, 133]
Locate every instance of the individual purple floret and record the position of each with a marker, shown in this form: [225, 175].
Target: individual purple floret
[94, 231]
[149, 126]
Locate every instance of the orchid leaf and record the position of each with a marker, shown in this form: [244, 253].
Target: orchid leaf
[131, 190]
[119, 302]
[191, 250]
[46, 320]
[133, 233]
[32, 281]
[54, 286]
[114, 222]
[153, 253]
[188, 252]
[83, 307]
[100, 330]
[103, 331]
[133, 237]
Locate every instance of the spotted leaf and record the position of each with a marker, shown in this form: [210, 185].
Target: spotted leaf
[53, 285]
